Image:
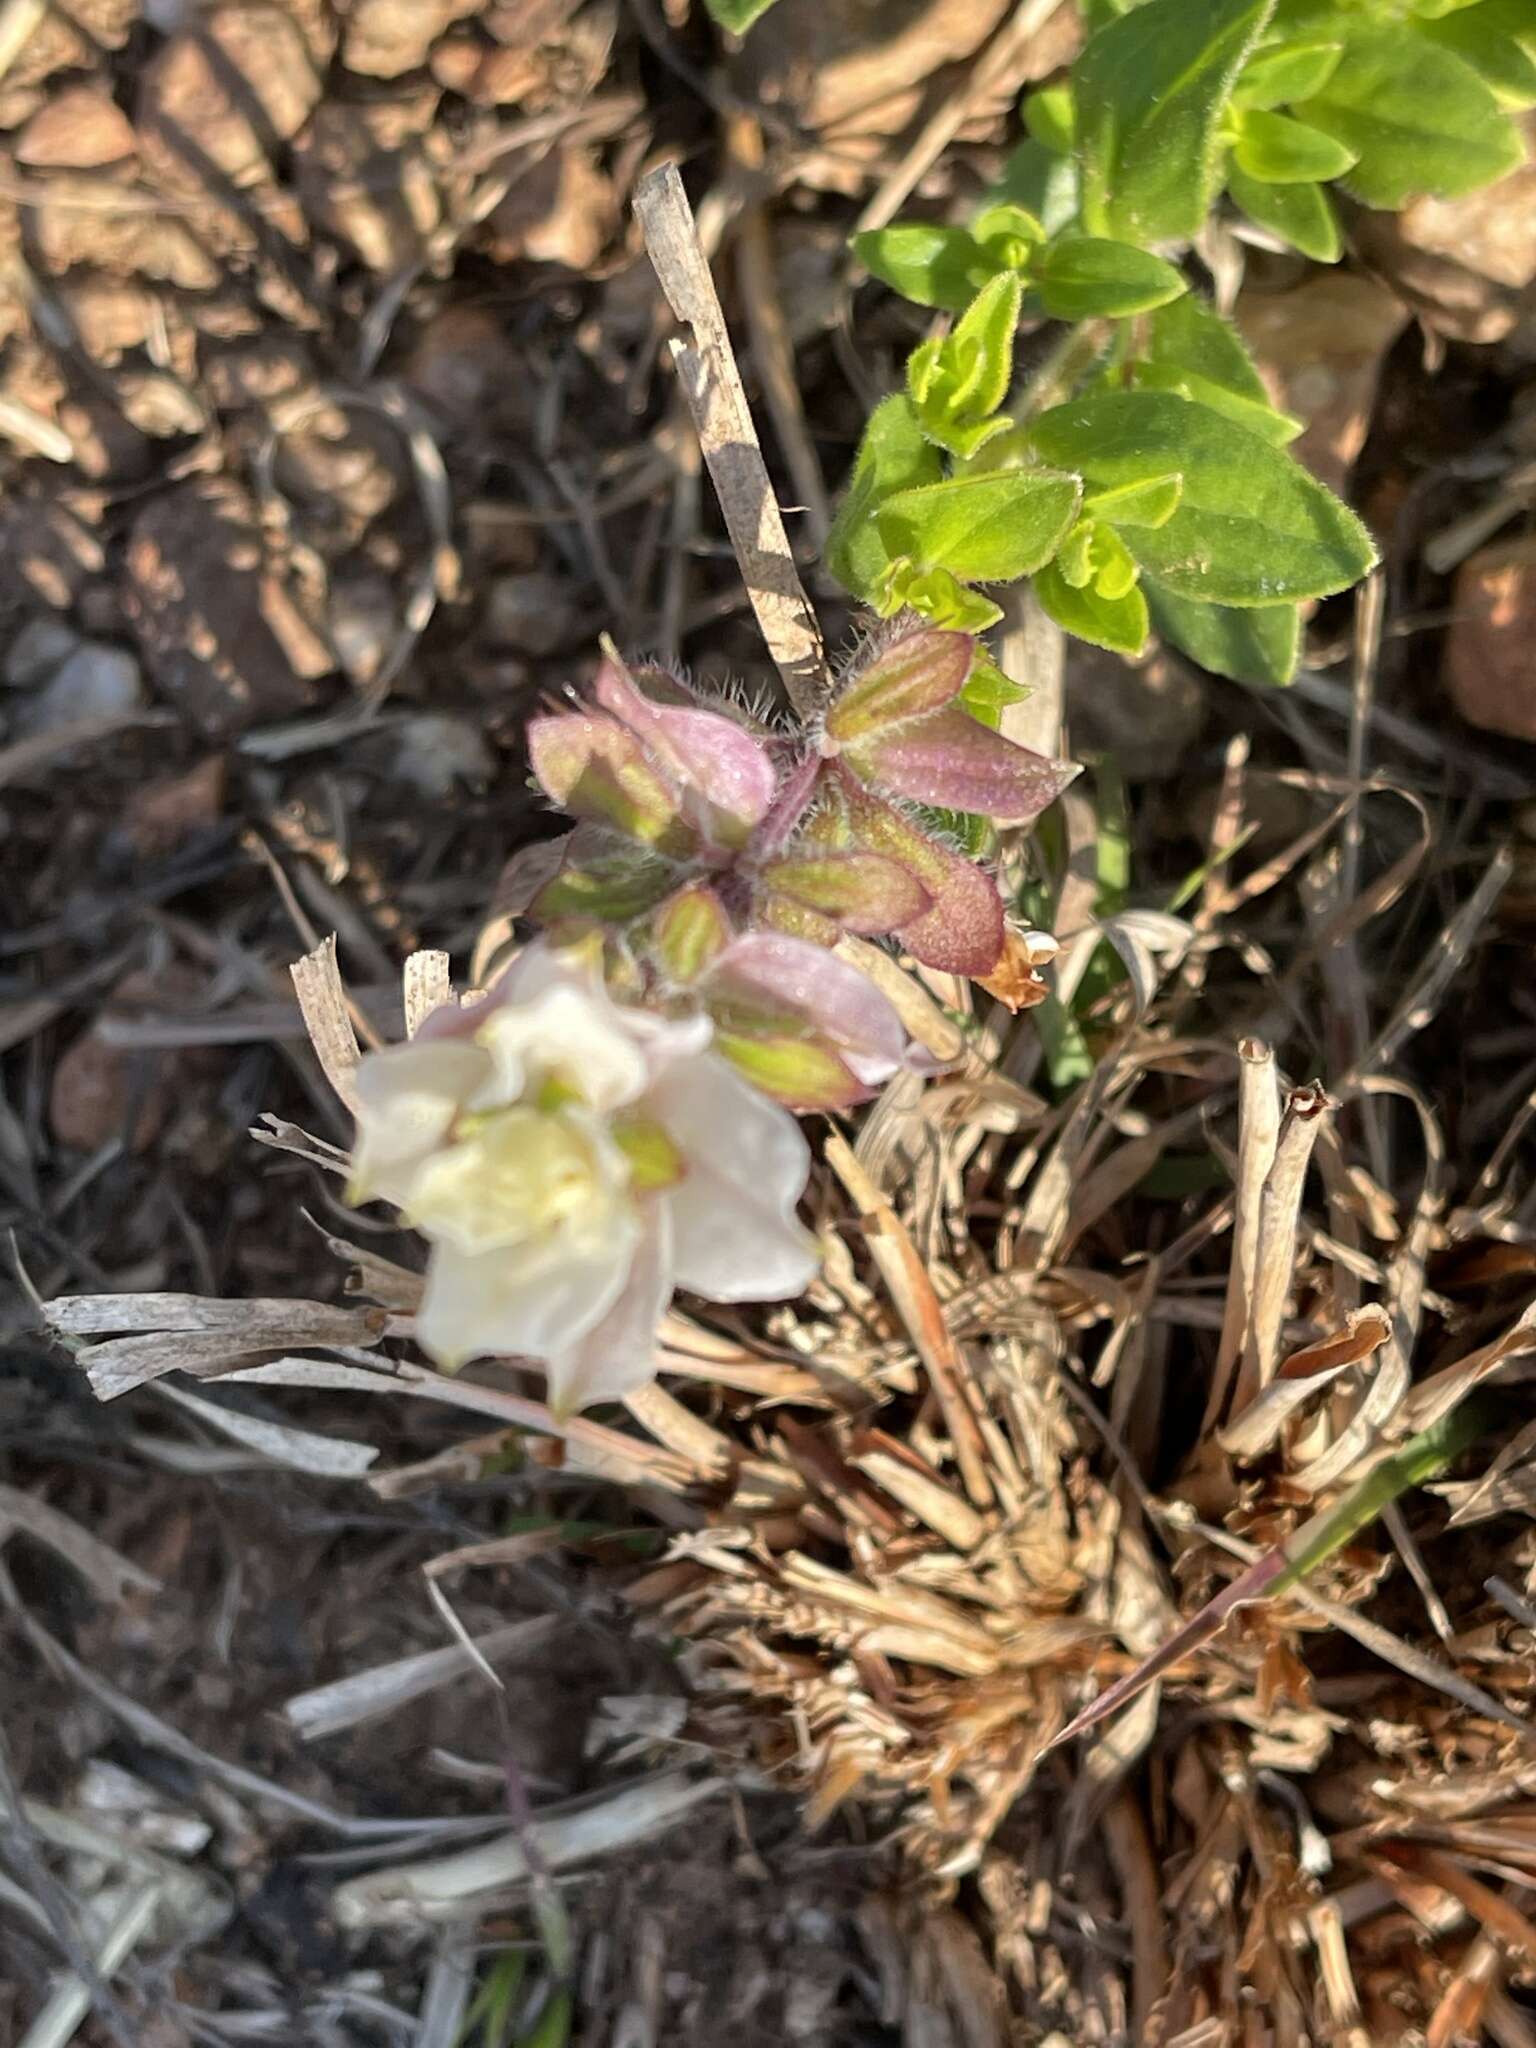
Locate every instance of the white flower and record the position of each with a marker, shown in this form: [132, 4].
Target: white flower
[571, 1162]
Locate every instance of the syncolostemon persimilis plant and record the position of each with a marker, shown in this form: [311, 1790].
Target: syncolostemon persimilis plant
[612, 1118]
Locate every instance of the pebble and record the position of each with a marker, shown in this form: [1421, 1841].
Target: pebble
[95, 681]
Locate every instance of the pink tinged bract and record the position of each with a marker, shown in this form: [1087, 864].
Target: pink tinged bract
[725, 777]
[949, 758]
[860, 892]
[963, 931]
[771, 973]
[912, 678]
[599, 772]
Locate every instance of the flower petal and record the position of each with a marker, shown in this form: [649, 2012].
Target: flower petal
[530, 1301]
[573, 1030]
[408, 1096]
[736, 1236]
[618, 1354]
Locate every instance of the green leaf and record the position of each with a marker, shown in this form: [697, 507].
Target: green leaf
[984, 529]
[1040, 181]
[933, 266]
[988, 692]
[958, 383]
[1192, 350]
[690, 931]
[1151, 503]
[1151, 89]
[1274, 78]
[1416, 116]
[737, 16]
[980, 348]
[1258, 645]
[1498, 39]
[1051, 118]
[936, 596]
[894, 455]
[1302, 215]
[1252, 528]
[1281, 151]
[1119, 623]
[1009, 233]
[1084, 277]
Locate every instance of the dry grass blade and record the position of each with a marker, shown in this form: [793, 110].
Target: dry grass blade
[301, 1450]
[1275, 1252]
[365, 1695]
[106, 1571]
[1302, 1376]
[454, 1886]
[427, 985]
[713, 388]
[902, 1269]
[1258, 1109]
[327, 1018]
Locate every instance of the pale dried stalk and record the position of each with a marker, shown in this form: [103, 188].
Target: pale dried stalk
[383, 1688]
[911, 1292]
[1405, 1282]
[1279, 1208]
[711, 383]
[323, 1001]
[1258, 1127]
[427, 987]
[455, 1885]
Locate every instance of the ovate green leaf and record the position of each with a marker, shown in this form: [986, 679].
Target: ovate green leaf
[1259, 644]
[1085, 277]
[1151, 89]
[933, 266]
[1040, 181]
[1152, 503]
[1302, 215]
[1275, 78]
[1252, 528]
[1051, 118]
[1191, 349]
[984, 529]
[737, 15]
[1498, 39]
[894, 455]
[1417, 118]
[1118, 623]
[1282, 151]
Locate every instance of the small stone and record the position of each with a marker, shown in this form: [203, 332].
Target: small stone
[1320, 349]
[563, 211]
[533, 613]
[78, 130]
[94, 1094]
[1147, 715]
[436, 753]
[95, 681]
[1488, 668]
[386, 37]
[37, 650]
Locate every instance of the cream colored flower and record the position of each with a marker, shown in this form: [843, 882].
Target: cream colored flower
[571, 1162]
